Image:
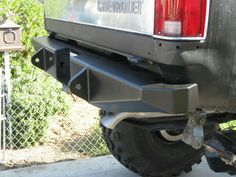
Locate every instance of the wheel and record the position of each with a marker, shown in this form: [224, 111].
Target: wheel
[152, 154]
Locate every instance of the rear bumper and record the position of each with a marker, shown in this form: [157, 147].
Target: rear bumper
[111, 86]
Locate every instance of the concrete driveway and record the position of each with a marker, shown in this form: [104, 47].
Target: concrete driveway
[97, 167]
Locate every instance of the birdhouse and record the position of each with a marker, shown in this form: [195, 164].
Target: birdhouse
[10, 36]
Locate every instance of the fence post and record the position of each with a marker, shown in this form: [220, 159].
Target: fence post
[7, 75]
[2, 117]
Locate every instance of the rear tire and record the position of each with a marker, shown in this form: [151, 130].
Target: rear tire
[147, 154]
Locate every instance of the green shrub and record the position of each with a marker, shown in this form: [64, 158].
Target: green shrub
[35, 99]
[228, 125]
[35, 96]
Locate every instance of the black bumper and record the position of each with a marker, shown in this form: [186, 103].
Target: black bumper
[112, 86]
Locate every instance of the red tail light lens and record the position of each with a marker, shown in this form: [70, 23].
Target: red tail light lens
[183, 18]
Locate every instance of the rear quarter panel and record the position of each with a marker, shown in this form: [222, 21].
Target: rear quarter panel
[212, 64]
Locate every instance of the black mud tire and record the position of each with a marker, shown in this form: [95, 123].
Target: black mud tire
[141, 152]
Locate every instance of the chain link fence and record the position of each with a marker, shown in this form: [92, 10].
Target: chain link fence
[36, 134]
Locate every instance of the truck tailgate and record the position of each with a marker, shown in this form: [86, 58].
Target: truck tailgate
[136, 15]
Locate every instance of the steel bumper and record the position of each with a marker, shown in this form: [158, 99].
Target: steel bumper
[108, 84]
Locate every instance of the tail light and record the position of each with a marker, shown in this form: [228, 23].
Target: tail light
[181, 18]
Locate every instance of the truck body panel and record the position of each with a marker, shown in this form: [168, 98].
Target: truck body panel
[210, 63]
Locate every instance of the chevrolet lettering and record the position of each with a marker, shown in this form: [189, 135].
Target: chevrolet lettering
[120, 6]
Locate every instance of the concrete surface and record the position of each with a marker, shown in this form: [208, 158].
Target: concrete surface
[97, 167]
